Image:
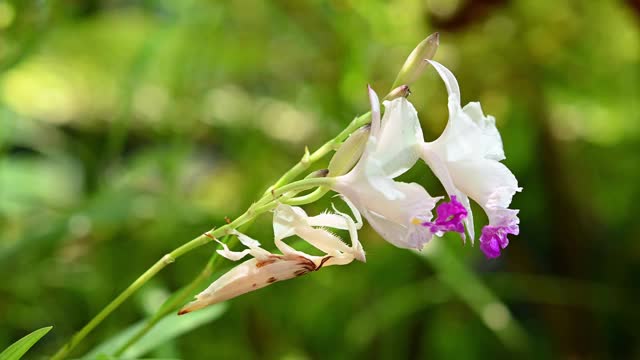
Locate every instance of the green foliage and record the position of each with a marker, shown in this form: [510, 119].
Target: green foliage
[168, 329]
[20, 347]
[129, 127]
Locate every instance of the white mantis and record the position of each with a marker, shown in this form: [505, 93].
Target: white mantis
[266, 268]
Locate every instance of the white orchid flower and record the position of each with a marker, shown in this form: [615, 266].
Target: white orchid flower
[265, 268]
[466, 158]
[399, 212]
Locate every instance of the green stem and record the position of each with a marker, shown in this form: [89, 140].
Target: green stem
[302, 185]
[314, 196]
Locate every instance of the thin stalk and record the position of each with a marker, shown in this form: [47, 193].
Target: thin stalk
[302, 185]
[314, 196]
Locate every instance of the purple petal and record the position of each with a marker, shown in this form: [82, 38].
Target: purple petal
[494, 238]
[450, 217]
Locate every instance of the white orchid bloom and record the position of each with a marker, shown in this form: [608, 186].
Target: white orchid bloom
[466, 158]
[265, 268]
[399, 212]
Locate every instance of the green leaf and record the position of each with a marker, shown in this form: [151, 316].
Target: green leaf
[170, 327]
[20, 347]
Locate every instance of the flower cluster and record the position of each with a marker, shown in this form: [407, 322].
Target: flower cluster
[465, 158]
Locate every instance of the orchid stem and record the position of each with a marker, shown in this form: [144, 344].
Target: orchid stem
[317, 194]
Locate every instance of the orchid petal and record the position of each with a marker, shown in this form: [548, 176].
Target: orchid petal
[441, 171]
[490, 183]
[451, 83]
[395, 220]
[396, 148]
[375, 112]
[485, 136]
[373, 133]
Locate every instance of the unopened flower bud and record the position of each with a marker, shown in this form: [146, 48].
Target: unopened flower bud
[349, 152]
[416, 62]
[400, 91]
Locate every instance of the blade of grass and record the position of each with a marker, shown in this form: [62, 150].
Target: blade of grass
[20, 347]
[170, 327]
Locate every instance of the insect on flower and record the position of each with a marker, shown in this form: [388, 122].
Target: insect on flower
[266, 268]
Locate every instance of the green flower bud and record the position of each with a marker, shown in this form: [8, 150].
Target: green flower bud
[349, 152]
[415, 63]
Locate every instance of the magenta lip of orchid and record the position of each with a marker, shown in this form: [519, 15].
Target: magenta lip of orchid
[450, 216]
[494, 238]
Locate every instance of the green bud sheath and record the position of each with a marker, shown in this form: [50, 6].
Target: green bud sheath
[349, 152]
[416, 62]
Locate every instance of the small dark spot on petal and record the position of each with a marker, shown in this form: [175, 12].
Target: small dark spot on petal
[260, 264]
[272, 280]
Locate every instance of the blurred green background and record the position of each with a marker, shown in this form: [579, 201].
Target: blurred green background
[129, 127]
